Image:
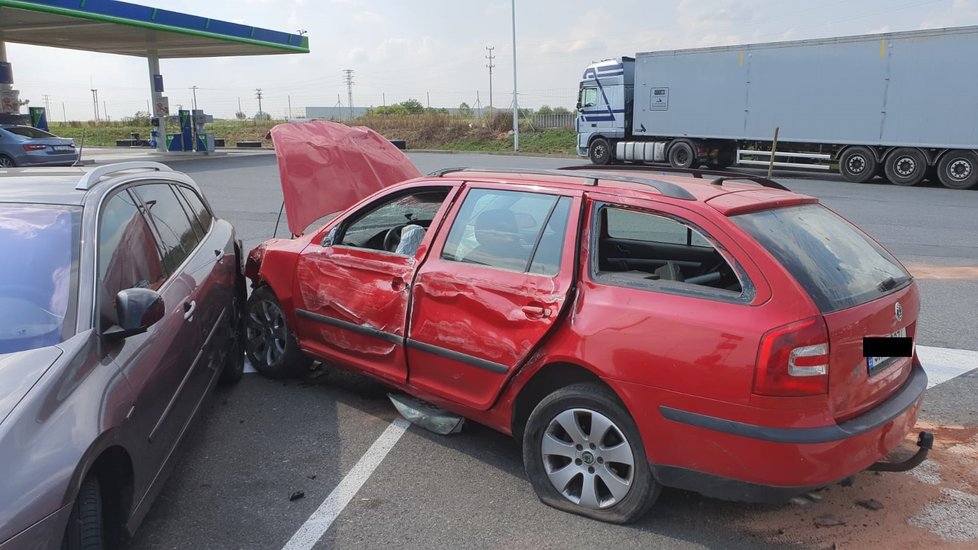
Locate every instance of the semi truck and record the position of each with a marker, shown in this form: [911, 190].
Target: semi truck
[901, 105]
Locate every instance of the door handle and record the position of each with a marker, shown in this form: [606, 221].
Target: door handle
[220, 256]
[536, 312]
[189, 308]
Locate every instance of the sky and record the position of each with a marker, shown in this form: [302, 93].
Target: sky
[434, 50]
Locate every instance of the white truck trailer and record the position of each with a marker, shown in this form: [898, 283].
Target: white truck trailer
[900, 105]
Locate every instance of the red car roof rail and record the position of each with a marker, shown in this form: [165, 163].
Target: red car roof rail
[722, 175]
[667, 189]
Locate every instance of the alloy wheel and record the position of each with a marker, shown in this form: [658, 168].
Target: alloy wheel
[587, 458]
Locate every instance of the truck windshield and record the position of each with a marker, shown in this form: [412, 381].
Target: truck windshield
[38, 274]
[835, 262]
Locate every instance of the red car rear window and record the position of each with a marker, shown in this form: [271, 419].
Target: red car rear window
[835, 262]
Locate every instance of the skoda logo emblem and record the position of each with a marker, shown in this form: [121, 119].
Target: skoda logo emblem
[899, 311]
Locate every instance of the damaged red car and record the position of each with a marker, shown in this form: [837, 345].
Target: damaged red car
[632, 329]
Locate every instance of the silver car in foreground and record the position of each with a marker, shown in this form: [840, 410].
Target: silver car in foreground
[120, 300]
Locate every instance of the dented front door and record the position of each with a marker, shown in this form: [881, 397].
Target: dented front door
[352, 294]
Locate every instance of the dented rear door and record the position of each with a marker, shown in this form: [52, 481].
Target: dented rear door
[490, 290]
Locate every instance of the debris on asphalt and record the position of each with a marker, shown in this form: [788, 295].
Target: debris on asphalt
[828, 520]
[928, 472]
[952, 517]
[799, 501]
[311, 476]
[870, 504]
[296, 496]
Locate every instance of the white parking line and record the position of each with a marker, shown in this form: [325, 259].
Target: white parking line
[943, 364]
[320, 520]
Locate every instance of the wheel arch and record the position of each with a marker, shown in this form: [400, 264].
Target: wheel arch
[548, 379]
[877, 152]
[113, 468]
[931, 157]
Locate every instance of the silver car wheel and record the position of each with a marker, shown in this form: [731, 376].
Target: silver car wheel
[587, 458]
[266, 332]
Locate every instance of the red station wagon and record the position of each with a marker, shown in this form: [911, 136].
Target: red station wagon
[633, 329]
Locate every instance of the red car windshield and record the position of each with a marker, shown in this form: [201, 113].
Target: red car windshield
[38, 275]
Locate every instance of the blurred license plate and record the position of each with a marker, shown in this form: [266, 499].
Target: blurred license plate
[874, 363]
[63, 148]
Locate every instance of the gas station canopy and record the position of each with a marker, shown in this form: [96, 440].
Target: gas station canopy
[122, 28]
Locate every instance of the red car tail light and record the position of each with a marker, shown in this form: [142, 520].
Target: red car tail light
[34, 147]
[794, 360]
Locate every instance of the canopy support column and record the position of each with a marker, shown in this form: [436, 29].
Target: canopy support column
[159, 103]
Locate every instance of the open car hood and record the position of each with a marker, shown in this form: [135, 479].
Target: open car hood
[327, 167]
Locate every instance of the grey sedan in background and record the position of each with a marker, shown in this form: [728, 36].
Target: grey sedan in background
[120, 301]
[27, 146]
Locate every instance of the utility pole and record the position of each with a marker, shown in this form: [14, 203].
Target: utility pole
[47, 103]
[429, 99]
[516, 104]
[95, 103]
[64, 112]
[478, 106]
[105, 111]
[258, 95]
[490, 57]
[290, 106]
[239, 106]
[349, 89]
[194, 88]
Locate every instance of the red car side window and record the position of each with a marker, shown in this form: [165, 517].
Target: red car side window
[512, 230]
[647, 250]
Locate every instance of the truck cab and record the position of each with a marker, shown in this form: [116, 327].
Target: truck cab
[603, 107]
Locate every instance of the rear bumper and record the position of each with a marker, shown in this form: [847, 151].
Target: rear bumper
[911, 392]
[44, 158]
[740, 461]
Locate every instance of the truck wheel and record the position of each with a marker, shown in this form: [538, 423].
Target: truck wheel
[584, 455]
[681, 155]
[958, 169]
[599, 151]
[858, 164]
[905, 166]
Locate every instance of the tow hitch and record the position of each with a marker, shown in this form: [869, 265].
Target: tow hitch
[925, 441]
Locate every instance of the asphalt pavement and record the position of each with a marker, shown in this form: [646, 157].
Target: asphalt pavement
[261, 444]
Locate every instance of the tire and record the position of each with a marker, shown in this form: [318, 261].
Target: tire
[682, 155]
[86, 526]
[269, 340]
[6, 162]
[233, 351]
[570, 464]
[905, 166]
[958, 169]
[599, 151]
[858, 164]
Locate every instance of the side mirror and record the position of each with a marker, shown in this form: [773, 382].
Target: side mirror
[328, 239]
[137, 309]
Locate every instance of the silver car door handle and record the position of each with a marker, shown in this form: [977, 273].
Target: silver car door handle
[189, 308]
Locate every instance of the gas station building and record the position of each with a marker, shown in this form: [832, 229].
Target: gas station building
[109, 26]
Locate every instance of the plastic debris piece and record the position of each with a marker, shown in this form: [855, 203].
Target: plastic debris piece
[870, 504]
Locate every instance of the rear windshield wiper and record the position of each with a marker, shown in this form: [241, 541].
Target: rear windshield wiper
[890, 283]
